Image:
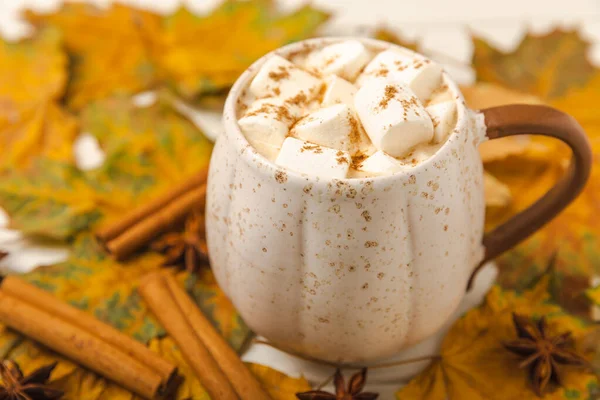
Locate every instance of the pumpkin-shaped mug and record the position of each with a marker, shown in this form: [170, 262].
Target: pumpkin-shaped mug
[352, 270]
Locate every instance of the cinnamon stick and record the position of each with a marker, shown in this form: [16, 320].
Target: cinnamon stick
[156, 293]
[115, 229]
[81, 346]
[244, 382]
[41, 299]
[135, 230]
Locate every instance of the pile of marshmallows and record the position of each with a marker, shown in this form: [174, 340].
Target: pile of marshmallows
[341, 111]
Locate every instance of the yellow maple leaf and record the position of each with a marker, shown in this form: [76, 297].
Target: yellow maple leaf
[205, 54]
[43, 130]
[553, 68]
[544, 65]
[474, 365]
[279, 385]
[110, 48]
[33, 72]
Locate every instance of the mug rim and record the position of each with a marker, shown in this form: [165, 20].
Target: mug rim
[252, 157]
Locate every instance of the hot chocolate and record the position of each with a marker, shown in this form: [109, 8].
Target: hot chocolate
[345, 110]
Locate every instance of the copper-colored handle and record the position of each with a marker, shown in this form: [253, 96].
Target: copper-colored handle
[526, 119]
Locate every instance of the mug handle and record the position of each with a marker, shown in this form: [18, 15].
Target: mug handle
[516, 119]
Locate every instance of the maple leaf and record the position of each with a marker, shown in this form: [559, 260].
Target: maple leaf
[31, 122]
[44, 130]
[50, 198]
[473, 363]
[391, 36]
[573, 87]
[94, 282]
[279, 386]
[149, 148]
[205, 54]
[79, 383]
[546, 65]
[109, 48]
[33, 72]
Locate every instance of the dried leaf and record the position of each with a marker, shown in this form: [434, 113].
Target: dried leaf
[205, 54]
[44, 130]
[94, 282]
[110, 48]
[575, 231]
[148, 148]
[474, 365]
[51, 199]
[279, 386]
[33, 72]
[562, 77]
[389, 35]
[547, 65]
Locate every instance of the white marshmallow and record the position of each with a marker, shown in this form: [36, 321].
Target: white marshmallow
[443, 116]
[312, 159]
[380, 163]
[338, 90]
[422, 75]
[334, 126]
[266, 123]
[279, 77]
[345, 59]
[441, 95]
[392, 116]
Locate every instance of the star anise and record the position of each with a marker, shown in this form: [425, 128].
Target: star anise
[353, 392]
[15, 386]
[185, 249]
[542, 353]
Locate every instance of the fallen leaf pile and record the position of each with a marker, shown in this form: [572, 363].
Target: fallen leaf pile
[551, 69]
[474, 364]
[78, 72]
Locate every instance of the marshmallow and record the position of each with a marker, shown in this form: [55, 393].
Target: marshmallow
[422, 75]
[441, 95]
[312, 159]
[345, 59]
[380, 163]
[392, 116]
[334, 126]
[443, 116]
[279, 77]
[338, 90]
[266, 123]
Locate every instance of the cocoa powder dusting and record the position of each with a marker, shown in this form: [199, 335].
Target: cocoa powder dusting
[354, 135]
[282, 74]
[281, 112]
[298, 99]
[341, 158]
[358, 159]
[390, 92]
[383, 72]
[315, 148]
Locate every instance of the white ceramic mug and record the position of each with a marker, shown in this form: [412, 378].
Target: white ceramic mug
[351, 270]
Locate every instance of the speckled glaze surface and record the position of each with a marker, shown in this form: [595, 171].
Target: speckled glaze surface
[347, 270]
